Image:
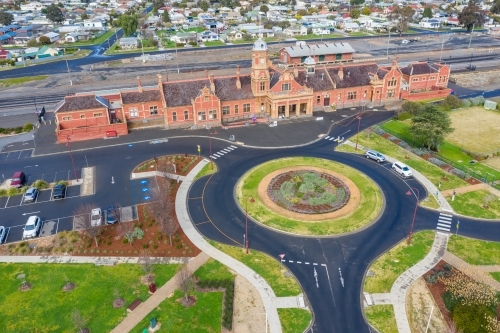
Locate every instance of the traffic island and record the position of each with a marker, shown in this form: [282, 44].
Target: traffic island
[309, 196]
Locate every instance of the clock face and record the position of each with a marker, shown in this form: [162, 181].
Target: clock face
[262, 60]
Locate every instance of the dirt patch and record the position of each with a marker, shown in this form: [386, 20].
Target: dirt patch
[68, 286]
[437, 290]
[352, 204]
[25, 286]
[249, 312]
[147, 279]
[118, 303]
[190, 301]
[493, 162]
[182, 164]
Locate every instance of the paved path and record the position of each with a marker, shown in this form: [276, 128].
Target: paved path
[290, 302]
[148, 174]
[264, 289]
[140, 312]
[470, 188]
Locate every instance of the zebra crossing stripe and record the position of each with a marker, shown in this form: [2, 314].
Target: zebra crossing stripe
[326, 137]
[443, 214]
[445, 218]
[213, 157]
[221, 152]
[227, 151]
[233, 146]
[331, 139]
[444, 225]
[444, 221]
[443, 229]
[229, 148]
[217, 155]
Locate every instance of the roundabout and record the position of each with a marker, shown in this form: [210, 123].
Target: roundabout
[310, 196]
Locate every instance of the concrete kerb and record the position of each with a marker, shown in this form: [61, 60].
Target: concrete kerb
[266, 292]
[53, 259]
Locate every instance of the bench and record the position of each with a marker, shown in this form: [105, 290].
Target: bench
[133, 305]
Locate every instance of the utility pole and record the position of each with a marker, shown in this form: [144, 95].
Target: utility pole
[441, 55]
[470, 40]
[69, 74]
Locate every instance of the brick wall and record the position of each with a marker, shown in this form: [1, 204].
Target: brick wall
[441, 93]
[87, 133]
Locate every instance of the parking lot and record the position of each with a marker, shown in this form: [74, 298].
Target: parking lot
[43, 196]
[56, 176]
[141, 189]
[16, 155]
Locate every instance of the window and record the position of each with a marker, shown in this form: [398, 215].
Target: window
[432, 78]
[262, 86]
[174, 116]
[390, 93]
[310, 69]
[202, 115]
[82, 116]
[414, 79]
[365, 93]
[225, 110]
[423, 79]
[236, 109]
[338, 56]
[393, 82]
[339, 97]
[133, 112]
[205, 98]
[285, 87]
[153, 110]
[212, 114]
[186, 114]
[246, 108]
[321, 58]
[351, 95]
[67, 118]
[98, 114]
[318, 99]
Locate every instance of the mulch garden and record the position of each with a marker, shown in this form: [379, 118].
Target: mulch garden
[183, 164]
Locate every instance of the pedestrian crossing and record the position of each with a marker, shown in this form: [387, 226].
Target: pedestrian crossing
[223, 152]
[334, 139]
[444, 222]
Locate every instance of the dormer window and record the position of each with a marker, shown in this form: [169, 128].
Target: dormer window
[310, 69]
[285, 87]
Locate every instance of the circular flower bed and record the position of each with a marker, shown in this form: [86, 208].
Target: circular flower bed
[308, 192]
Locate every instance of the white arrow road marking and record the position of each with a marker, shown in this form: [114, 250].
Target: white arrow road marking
[341, 278]
[316, 277]
[30, 213]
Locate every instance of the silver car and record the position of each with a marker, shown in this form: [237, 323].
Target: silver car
[30, 194]
[375, 155]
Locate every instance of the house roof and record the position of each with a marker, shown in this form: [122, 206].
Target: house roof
[418, 68]
[81, 102]
[354, 76]
[318, 49]
[182, 92]
[318, 80]
[226, 90]
[141, 97]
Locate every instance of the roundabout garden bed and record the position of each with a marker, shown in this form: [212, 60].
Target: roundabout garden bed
[353, 202]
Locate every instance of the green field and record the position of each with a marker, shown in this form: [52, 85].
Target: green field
[50, 308]
[472, 204]
[390, 265]
[496, 276]
[474, 251]
[294, 320]
[21, 80]
[382, 318]
[214, 43]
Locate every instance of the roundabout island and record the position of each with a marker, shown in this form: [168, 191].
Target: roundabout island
[309, 196]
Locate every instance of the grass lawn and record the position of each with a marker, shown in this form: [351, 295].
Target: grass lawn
[214, 43]
[213, 270]
[50, 308]
[471, 204]
[390, 265]
[345, 148]
[294, 320]
[474, 251]
[382, 318]
[94, 41]
[401, 129]
[266, 266]
[429, 170]
[430, 202]
[496, 276]
[207, 170]
[368, 209]
[21, 80]
[358, 33]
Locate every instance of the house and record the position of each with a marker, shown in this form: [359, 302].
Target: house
[207, 36]
[262, 33]
[53, 36]
[128, 43]
[430, 23]
[7, 38]
[184, 37]
[325, 52]
[95, 23]
[22, 38]
[43, 52]
[72, 37]
[297, 30]
[267, 92]
[5, 55]
[231, 35]
[351, 27]
[32, 6]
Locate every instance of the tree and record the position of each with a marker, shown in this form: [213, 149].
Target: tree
[128, 23]
[204, 6]
[402, 17]
[166, 16]
[246, 37]
[84, 16]
[78, 320]
[430, 127]
[357, 2]
[495, 7]
[54, 14]
[302, 12]
[6, 18]
[412, 108]
[366, 11]
[185, 281]
[470, 16]
[44, 40]
[129, 231]
[83, 221]
[147, 268]
[427, 12]
[264, 9]
[355, 13]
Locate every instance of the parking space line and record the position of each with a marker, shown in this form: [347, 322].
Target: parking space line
[7, 202]
[57, 226]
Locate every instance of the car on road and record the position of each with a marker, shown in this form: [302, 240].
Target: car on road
[18, 179]
[96, 217]
[112, 215]
[32, 227]
[402, 169]
[405, 41]
[30, 194]
[375, 155]
[59, 191]
[3, 234]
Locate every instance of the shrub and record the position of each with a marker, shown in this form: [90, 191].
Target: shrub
[27, 127]
[63, 182]
[12, 191]
[403, 144]
[470, 318]
[145, 246]
[412, 108]
[436, 161]
[18, 129]
[3, 192]
[404, 116]
[40, 184]
[460, 173]
[124, 240]
[466, 103]
[451, 102]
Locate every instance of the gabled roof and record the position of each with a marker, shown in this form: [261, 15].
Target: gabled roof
[181, 93]
[354, 76]
[318, 81]
[141, 97]
[318, 49]
[82, 102]
[226, 90]
[418, 68]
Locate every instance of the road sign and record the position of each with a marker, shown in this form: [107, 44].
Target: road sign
[282, 256]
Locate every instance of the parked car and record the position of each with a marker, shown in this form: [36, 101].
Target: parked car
[375, 155]
[112, 215]
[59, 191]
[405, 41]
[402, 169]
[3, 234]
[18, 179]
[96, 217]
[30, 194]
[32, 227]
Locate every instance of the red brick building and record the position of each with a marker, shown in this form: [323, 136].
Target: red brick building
[268, 92]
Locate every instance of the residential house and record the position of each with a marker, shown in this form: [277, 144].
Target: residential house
[94, 23]
[262, 33]
[184, 37]
[72, 37]
[422, 77]
[128, 43]
[5, 54]
[231, 35]
[53, 36]
[22, 38]
[296, 30]
[207, 36]
[351, 27]
[43, 52]
[429, 23]
[32, 6]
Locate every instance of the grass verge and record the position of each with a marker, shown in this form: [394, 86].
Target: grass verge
[266, 266]
[472, 204]
[430, 202]
[390, 265]
[496, 276]
[345, 148]
[382, 318]
[21, 80]
[294, 320]
[50, 308]
[474, 251]
[214, 43]
[429, 170]
[206, 170]
[368, 209]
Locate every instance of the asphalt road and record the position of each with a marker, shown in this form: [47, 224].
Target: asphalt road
[336, 303]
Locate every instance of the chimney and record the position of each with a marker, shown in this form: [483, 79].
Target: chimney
[341, 72]
[238, 82]
[212, 84]
[307, 76]
[159, 80]
[295, 70]
[206, 73]
[139, 85]
[322, 76]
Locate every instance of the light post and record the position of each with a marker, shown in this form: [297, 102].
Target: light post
[388, 40]
[69, 74]
[71, 154]
[211, 162]
[246, 220]
[414, 213]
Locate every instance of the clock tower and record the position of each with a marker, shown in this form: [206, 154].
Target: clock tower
[260, 69]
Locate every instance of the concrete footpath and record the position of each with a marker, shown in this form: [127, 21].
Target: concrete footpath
[266, 292]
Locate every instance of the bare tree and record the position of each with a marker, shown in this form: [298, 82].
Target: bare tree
[83, 221]
[129, 231]
[185, 280]
[147, 266]
[78, 320]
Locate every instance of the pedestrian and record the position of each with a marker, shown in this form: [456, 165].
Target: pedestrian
[156, 159]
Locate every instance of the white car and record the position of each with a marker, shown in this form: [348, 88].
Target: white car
[402, 169]
[32, 227]
[30, 194]
[96, 217]
[405, 41]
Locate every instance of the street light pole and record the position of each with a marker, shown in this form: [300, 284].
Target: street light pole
[69, 74]
[470, 40]
[388, 40]
[441, 55]
[71, 154]
[414, 213]
[246, 220]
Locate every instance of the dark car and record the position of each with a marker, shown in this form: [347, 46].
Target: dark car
[18, 179]
[59, 191]
[112, 213]
[3, 234]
